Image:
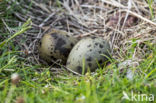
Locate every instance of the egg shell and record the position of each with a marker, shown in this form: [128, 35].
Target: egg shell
[56, 45]
[88, 51]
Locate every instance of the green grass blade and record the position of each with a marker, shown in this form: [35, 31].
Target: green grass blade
[25, 27]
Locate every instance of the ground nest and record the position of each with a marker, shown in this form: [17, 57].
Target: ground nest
[126, 24]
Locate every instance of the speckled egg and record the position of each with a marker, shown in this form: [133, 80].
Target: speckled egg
[56, 45]
[88, 53]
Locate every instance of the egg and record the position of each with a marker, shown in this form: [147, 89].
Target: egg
[88, 53]
[56, 45]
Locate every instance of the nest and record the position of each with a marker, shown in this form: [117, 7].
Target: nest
[125, 24]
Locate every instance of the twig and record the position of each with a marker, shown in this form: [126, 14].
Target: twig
[7, 26]
[51, 15]
[66, 68]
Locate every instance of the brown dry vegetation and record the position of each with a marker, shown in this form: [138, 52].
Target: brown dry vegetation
[124, 23]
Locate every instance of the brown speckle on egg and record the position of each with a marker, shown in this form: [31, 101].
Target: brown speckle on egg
[54, 35]
[101, 46]
[89, 45]
[89, 64]
[89, 59]
[79, 69]
[96, 44]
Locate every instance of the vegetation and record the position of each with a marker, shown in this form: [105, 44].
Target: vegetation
[23, 22]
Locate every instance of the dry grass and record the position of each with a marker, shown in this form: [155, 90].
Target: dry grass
[90, 17]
